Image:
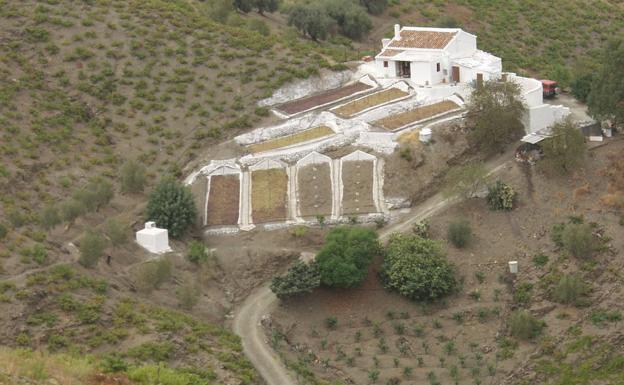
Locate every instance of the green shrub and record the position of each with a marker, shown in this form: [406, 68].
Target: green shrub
[578, 240]
[72, 209]
[600, 316]
[459, 233]
[116, 231]
[152, 274]
[524, 326]
[501, 196]
[417, 268]
[152, 351]
[522, 294]
[570, 289]
[3, 231]
[299, 279]
[421, 229]
[49, 217]
[113, 363]
[91, 249]
[331, 322]
[344, 259]
[540, 260]
[132, 177]
[172, 207]
[188, 296]
[95, 195]
[197, 252]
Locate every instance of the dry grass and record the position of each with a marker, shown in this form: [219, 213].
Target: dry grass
[300, 137]
[269, 198]
[369, 101]
[223, 200]
[399, 120]
[38, 366]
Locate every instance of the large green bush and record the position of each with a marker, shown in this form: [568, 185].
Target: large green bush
[459, 233]
[344, 259]
[172, 207]
[501, 196]
[132, 177]
[417, 268]
[197, 252]
[300, 278]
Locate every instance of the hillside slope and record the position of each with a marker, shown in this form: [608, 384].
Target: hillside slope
[553, 39]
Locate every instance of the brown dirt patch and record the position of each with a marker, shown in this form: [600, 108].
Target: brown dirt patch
[300, 137]
[223, 200]
[315, 190]
[352, 108]
[323, 98]
[357, 177]
[399, 120]
[269, 195]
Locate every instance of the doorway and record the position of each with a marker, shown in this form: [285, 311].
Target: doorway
[455, 74]
[404, 69]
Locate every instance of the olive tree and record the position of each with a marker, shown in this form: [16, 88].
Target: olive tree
[564, 151]
[606, 98]
[344, 258]
[417, 268]
[495, 115]
[300, 278]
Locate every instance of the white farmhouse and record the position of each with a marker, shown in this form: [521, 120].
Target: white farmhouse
[431, 56]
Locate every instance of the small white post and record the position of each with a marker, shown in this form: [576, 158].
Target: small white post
[513, 267]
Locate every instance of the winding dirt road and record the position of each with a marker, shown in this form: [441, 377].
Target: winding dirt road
[248, 316]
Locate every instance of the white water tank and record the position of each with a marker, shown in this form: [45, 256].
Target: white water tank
[425, 135]
[153, 239]
[513, 267]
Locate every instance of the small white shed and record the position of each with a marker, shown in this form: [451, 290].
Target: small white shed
[153, 239]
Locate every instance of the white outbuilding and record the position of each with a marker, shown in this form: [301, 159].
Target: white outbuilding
[153, 239]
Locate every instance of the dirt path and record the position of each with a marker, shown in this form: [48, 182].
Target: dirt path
[248, 316]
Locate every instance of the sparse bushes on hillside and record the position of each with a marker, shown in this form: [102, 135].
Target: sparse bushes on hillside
[95, 195]
[91, 249]
[3, 231]
[72, 209]
[188, 296]
[576, 238]
[459, 233]
[172, 207]
[315, 19]
[49, 217]
[525, 326]
[301, 278]
[417, 268]
[501, 196]
[259, 5]
[344, 259]
[132, 177]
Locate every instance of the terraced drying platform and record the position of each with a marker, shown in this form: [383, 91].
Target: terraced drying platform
[315, 190]
[269, 195]
[357, 196]
[412, 116]
[354, 107]
[321, 99]
[289, 140]
[223, 200]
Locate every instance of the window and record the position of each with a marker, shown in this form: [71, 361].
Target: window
[385, 64]
[438, 67]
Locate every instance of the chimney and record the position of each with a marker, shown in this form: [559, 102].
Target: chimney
[397, 32]
[150, 225]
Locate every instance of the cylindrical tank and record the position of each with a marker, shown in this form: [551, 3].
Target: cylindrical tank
[425, 135]
[513, 267]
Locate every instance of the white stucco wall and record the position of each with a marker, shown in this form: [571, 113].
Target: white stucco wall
[421, 73]
[543, 116]
[388, 72]
[463, 45]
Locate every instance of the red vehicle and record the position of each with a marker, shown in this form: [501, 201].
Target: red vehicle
[550, 88]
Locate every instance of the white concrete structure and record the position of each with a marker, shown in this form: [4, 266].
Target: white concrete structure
[513, 267]
[425, 135]
[153, 239]
[430, 56]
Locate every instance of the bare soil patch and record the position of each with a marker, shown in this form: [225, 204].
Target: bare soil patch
[223, 200]
[269, 195]
[315, 190]
[400, 120]
[357, 177]
[285, 141]
[359, 105]
[330, 96]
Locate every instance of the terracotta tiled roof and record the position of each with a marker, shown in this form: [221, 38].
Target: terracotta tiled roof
[390, 52]
[422, 39]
